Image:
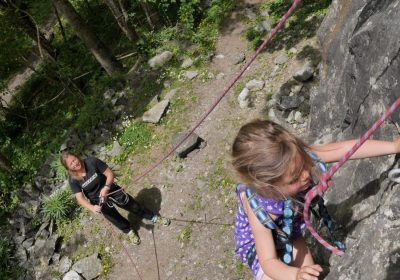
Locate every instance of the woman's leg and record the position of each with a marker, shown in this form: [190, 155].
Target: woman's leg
[127, 202]
[301, 253]
[111, 214]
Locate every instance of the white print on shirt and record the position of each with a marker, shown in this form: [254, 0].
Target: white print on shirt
[91, 179]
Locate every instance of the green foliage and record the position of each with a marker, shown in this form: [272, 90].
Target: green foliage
[8, 268]
[93, 113]
[255, 37]
[302, 24]
[136, 135]
[185, 234]
[187, 15]
[207, 33]
[8, 197]
[58, 205]
[60, 171]
[40, 10]
[14, 45]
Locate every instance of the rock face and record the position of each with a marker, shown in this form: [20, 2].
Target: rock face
[360, 73]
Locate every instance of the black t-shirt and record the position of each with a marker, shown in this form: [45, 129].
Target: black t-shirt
[93, 181]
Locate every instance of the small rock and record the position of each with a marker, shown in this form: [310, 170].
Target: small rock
[243, 98]
[290, 118]
[289, 102]
[293, 50]
[160, 59]
[239, 58]
[298, 117]
[90, 267]
[188, 145]
[255, 85]
[64, 265]
[72, 275]
[220, 76]
[188, 62]
[190, 75]
[305, 73]
[154, 114]
[116, 149]
[170, 94]
[281, 59]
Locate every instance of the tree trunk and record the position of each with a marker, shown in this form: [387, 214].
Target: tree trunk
[60, 24]
[121, 17]
[98, 49]
[22, 20]
[152, 17]
[5, 164]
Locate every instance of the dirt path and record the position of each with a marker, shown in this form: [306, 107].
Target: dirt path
[199, 242]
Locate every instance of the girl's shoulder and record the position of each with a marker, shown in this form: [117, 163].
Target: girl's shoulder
[272, 206]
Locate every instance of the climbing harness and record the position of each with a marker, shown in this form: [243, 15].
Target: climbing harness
[323, 185]
[283, 226]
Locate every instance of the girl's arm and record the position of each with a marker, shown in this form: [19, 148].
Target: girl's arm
[371, 148]
[266, 252]
[83, 202]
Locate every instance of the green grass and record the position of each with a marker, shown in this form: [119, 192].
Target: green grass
[185, 234]
[135, 138]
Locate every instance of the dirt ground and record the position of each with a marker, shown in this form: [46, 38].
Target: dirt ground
[199, 243]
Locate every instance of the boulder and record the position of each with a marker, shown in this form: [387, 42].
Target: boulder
[89, 267]
[188, 146]
[160, 59]
[359, 80]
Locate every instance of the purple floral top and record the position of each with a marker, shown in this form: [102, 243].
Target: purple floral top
[243, 235]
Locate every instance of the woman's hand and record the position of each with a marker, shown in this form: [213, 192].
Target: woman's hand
[96, 209]
[310, 272]
[104, 191]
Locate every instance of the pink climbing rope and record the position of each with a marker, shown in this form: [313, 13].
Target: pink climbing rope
[224, 93]
[321, 188]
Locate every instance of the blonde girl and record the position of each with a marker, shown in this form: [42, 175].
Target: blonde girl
[276, 170]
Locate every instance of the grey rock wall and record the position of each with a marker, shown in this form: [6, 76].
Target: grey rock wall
[360, 78]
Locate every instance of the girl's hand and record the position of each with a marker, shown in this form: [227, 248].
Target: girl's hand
[96, 209]
[310, 272]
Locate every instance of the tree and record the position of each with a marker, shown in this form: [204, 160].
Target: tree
[5, 164]
[21, 19]
[152, 17]
[121, 16]
[100, 51]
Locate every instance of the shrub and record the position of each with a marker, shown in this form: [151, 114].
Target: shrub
[8, 269]
[58, 205]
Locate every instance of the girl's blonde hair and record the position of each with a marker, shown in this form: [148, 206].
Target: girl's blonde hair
[63, 159]
[262, 152]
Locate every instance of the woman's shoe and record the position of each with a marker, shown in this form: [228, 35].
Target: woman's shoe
[161, 220]
[134, 237]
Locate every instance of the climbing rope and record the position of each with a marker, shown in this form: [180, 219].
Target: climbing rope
[224, 93]
[321, 188]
